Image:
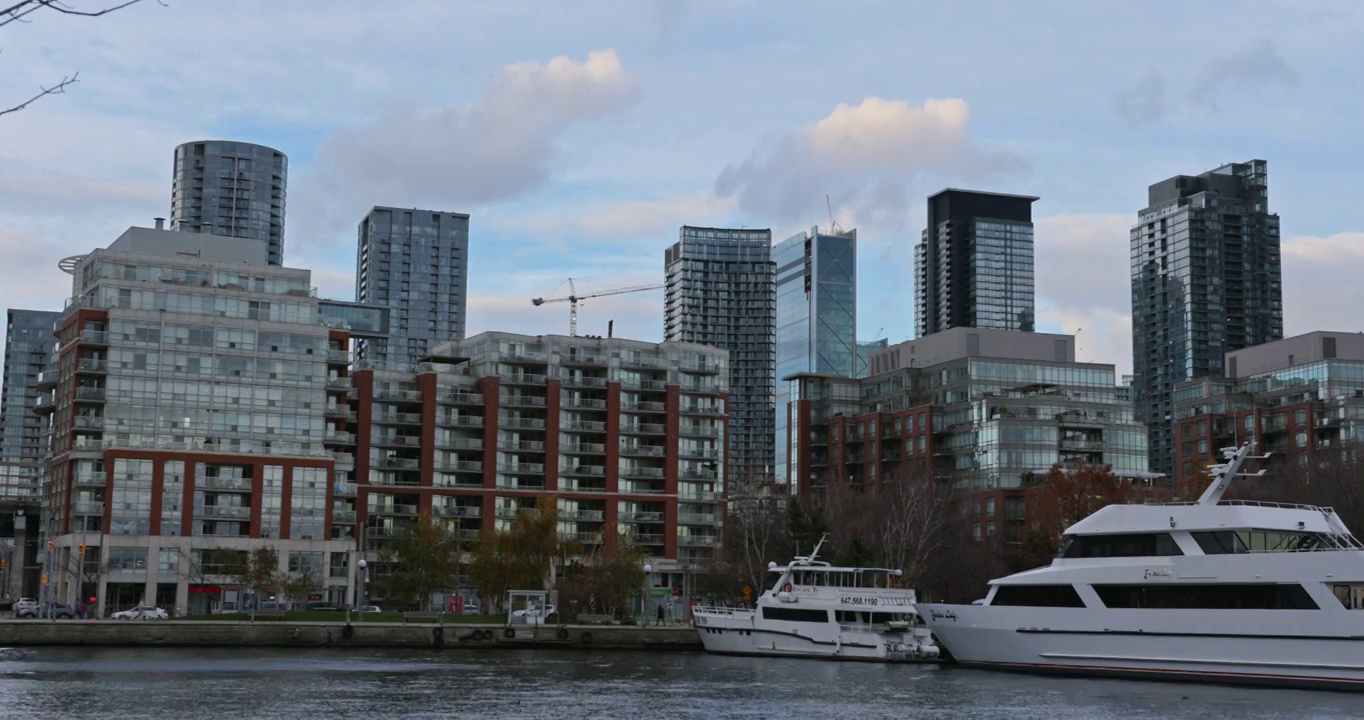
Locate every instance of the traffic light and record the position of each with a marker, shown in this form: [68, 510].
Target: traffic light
[2, 564]
[82, 549]
[44, 578]
[49, 546]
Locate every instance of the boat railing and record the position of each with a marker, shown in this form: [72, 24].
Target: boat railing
[1250, 503]
[717, 610]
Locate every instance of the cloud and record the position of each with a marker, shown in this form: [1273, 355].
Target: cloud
[669, 15]
[634, 220]
[1321, 289]
[864, 155]
[1257, 64]
[460, 157]
[1084, 281]
[1143, 103]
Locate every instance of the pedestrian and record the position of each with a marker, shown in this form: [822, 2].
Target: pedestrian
[660, 614]
[81, 610]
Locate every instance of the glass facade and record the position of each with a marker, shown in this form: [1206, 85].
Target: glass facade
[865, 348]
[974, 265]
[1206, 279]
[232, 189]
[415, 263]
[28, 350]
[721, 291]
[816, 280]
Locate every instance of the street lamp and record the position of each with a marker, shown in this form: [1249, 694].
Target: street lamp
[644, 599]
[362, 565]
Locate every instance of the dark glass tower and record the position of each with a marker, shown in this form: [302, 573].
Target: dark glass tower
[721, 292]
[1206, 279]
[974, 266]
[29, 343]
[233, 189]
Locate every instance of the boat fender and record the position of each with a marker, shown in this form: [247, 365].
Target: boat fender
[487, 634]
[563, 633]
[786, 587]
[438, 638]
[509, 633]
[348, 631]
[586, 637]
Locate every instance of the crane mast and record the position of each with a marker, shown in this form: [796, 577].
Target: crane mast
[573, 298]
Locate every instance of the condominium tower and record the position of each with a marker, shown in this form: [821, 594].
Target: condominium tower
[816, 317]
[416, 263]
[28, 348]
[720, 291]
[974, 266]
[1205, 281]
[232, 189]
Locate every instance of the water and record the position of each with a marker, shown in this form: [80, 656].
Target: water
[173, 683]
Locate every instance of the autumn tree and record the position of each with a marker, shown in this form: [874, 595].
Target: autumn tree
[19, 11]
[1065, 496]
[610, 574]
[424, 558]
[299, 584]
[259, 573]
[755, 534]
[520, 558]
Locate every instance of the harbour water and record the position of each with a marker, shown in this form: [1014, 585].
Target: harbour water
[173, 683]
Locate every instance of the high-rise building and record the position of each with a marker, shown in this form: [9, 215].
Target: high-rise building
[816, 316]
[193, 417]
[233, 189]
[987, 411]
[628, 435]
[1205, 281]
[416, 263]
[721, 292]
[28, 350]
[974, 266]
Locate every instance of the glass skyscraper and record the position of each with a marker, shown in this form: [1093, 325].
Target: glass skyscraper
[974, 266]
[28, 348]
[416, 263]
[720, 291]
[233, 189]
[1206, 279]
[816, 316]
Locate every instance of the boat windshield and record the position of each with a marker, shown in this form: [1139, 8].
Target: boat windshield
[842, 578]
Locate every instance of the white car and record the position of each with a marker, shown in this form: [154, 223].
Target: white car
[532, 615]
[23, 604]
[142, 613]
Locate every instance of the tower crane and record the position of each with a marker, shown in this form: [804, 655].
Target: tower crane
[573, 298]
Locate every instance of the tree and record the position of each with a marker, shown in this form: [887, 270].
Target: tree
[19, 11]
[1064, 497]
[258, 574]
[424, 558]
[299, 584]
[610, 574]
[756, 534]
[521, 558]
[804, 525]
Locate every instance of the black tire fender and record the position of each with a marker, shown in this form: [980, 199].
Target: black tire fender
[509, 633]
[586, 637]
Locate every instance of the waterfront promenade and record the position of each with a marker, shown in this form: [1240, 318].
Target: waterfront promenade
[288, 633]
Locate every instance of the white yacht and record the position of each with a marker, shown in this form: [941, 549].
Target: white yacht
[812, 609]
[1221, 591]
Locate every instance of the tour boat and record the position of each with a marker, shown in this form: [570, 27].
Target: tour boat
[1213, 590]
[812, 609]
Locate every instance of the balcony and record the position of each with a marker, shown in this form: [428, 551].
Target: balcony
[644, 429]
[652, 385]
[473, 421]
[339, 357]
[591, 426]
[583, 515]
[459, 466]
[520, 423]
[225, 512]
[458, 443]
[338, 383]
[343, 489]
[340, 438]
[576, 359]
[337, 412]
[398, 440]
[460, 398]
[640, 361]
[511, 513]
[699, 431]
[642, 472]
[698, 518]
[585, 404]
[398, 418]
[521, 401]
[645, 407]
[87, 508]
[395, 463]
[694, 474]
[586, 538]
[583, 448]
[590, 470]
[700, 497]
[90, 394]
[94, 337]
[698, 541]
[343, 517]
[89, 479]
[95, 366]
[409, 510]
[1082, 445]
[649, 539]
[522, 378]
[343, 459]
[701, 368]
[230, 484]
[702, 410]
[524, 356]
[642, 450]
[406, 396]
[88, 446]
[459, 511]
[44, 405]
[581, 487]
[47, 380]
[522, 446]
[583, 381]
[699, 453]
[522, 469]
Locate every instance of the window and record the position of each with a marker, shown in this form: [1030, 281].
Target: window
[1249, 422]
[1229, 542]
[1133, 545]
[1209, 597]
[1300, 417]
[795, 615]
[168, 563]
[1037, 596]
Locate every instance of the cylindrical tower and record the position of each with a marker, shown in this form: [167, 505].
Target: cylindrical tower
[233, 189]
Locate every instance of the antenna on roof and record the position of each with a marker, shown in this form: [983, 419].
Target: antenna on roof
[1222, 473]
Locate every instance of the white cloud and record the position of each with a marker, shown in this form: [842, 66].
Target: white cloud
[1321, 288]
[866, 156]
[633, 220]
[1083, 278]
[460, 157]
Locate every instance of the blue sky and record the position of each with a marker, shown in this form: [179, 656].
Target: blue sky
[581, 135]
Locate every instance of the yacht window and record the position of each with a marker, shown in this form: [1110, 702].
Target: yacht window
[1037, 596]
[795, 615]
[1207, 597]
[1229, 542]
[773, 578]
[1130, 545]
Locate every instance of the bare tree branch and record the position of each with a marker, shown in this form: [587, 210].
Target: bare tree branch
[57, 89]
[17, 11]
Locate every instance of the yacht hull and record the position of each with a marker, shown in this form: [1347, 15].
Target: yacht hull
[1256, 647]
[740, 635]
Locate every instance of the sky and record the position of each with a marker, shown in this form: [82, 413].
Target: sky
[580, 136]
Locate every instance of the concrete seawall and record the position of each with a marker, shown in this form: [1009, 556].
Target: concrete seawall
[280, 633]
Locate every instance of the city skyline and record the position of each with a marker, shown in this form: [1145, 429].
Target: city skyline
[579, 192]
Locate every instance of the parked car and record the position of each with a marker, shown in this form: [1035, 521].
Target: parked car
[534, 615]
[321, 605]
[471, 607]
[23, 604]
[142, 612]
[368, 609]
[47, 610]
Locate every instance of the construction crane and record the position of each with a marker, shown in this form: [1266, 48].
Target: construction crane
[574, 298]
